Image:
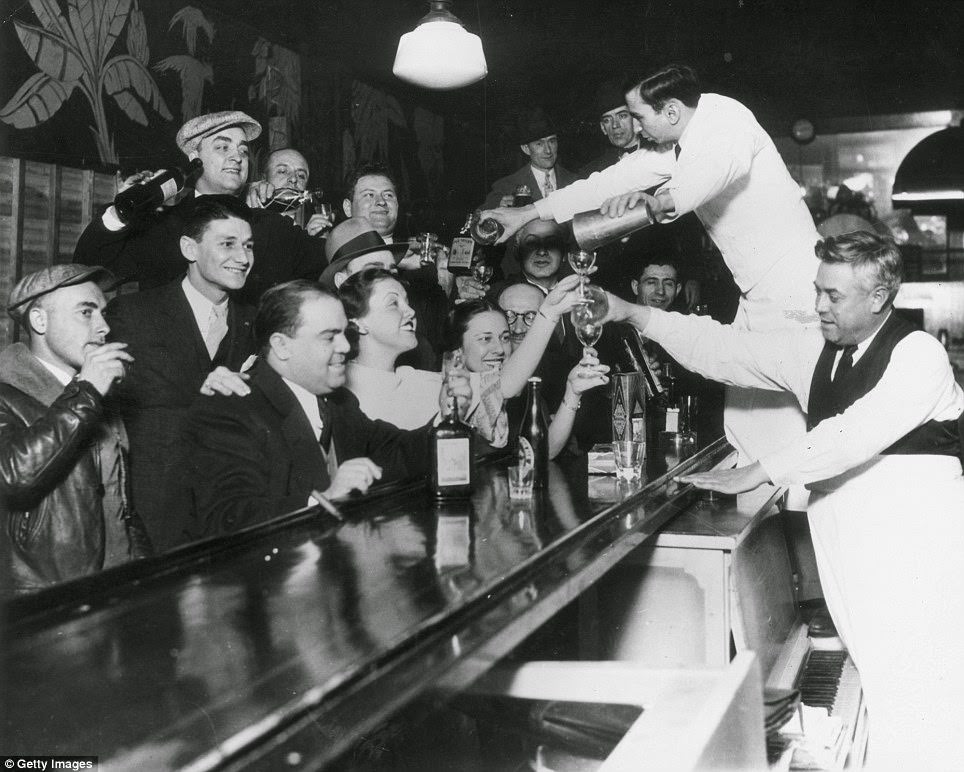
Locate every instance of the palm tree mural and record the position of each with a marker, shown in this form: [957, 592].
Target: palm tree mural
[72, 54]
[194, 73]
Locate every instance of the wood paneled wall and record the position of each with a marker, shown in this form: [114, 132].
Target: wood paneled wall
[43, 210]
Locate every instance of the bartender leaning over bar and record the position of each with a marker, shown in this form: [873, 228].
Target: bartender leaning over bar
[713, 158]
[882, 459]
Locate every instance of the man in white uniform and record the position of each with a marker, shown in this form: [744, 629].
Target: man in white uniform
[714, 159]
[882, 460]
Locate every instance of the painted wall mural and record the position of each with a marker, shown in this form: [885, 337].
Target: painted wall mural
[107, 83]
[72, 53]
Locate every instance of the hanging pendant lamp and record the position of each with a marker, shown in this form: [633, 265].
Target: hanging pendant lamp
[440, 53]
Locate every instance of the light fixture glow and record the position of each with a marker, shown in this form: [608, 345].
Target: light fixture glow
[930, 195]
[439, 53]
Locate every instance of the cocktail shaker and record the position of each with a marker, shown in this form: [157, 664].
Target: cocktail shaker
[594, 229]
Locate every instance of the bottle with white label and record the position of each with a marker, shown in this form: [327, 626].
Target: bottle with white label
[451, 444]
[144, 197]
[534, 436]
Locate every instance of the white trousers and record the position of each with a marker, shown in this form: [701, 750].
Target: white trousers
[889, 542]
[757, 421]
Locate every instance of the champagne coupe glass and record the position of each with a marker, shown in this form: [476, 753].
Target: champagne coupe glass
[582, 263]
[587, 317]
[482, 272]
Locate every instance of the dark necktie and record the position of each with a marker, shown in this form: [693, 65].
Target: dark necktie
[845, 365]
[324, 412]
[677, 149]
[627, 150]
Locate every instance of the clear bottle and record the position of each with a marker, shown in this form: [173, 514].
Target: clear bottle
[451, 445]
[534, 436]
[143, 198]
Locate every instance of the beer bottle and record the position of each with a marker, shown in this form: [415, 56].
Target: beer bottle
[534, 436]
[451, 445]
[140, 199]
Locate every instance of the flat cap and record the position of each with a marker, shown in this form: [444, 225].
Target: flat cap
[38, 283]
[189, 136]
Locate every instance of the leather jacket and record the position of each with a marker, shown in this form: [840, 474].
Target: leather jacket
[50, 485]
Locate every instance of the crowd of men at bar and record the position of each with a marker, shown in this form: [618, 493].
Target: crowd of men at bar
[263, 365]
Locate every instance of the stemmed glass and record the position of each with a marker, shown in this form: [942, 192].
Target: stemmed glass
[482, 272]
[587, 317]
[582, 263]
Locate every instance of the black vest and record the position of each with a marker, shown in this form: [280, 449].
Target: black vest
[939, 438]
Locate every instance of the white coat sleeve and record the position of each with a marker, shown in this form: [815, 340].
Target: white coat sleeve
[637, 171]
[782, 360]
[917, 385]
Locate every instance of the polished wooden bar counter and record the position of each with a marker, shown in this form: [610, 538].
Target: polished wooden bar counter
[306, 632]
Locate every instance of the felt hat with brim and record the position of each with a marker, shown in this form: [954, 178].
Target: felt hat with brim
[533, 127]
[189, 136]
[609, 97]
[39, 283]
[353, 238]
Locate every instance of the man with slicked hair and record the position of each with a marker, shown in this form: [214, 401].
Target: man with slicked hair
[711, 157]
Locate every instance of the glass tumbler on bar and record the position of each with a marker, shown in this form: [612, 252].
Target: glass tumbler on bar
[629, 455]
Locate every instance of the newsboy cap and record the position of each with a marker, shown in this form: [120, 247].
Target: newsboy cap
[39, 283]
[189, 136]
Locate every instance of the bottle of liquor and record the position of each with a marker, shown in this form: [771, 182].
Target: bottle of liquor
[534, 436]
[142, 198]
[451, 445]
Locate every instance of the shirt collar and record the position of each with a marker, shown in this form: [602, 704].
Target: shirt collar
[200, 305]
[309, 404]
[865, 344]
[63, 376]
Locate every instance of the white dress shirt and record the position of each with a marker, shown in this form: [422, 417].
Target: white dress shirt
[200, 306]
[917, 386]
[63, 376]
[729, 173]
[540, 175]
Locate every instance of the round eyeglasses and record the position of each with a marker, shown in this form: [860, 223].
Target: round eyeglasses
[527, 318]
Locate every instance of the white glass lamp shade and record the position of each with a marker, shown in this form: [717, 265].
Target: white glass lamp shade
[440, 55]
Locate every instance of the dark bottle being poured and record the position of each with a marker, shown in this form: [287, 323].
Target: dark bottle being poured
[534, 436]
[485, 231]
[139, 200]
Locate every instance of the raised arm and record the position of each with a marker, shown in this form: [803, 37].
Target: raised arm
[524, 360]
[722, 353]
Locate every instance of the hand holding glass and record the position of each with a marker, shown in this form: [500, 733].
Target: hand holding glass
[587, 317]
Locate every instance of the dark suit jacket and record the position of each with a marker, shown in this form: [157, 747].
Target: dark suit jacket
[150, 253]
[170, 364]
[255, 458]
[506, 185]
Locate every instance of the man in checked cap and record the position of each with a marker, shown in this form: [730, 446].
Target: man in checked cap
[149, 251]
